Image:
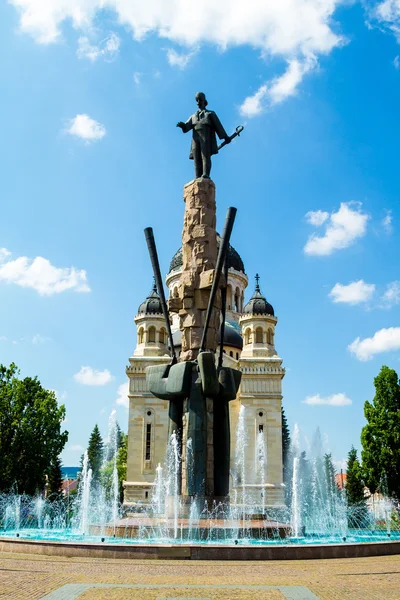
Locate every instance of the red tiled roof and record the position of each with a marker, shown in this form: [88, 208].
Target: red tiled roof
[69, 485]
[340, 479]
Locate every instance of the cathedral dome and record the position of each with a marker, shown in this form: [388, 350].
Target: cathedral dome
[258, 304]
[232, 336]
[152, 304]
[233, 258]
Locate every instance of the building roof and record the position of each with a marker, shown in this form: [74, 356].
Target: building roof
[341, 479]
[68, 485]
[152, 304]
[233, 258]
[258, 304]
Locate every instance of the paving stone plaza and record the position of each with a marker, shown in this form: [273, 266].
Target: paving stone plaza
[29, 577]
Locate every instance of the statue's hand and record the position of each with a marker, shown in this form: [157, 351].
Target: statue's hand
[227, 140]
[181, 124]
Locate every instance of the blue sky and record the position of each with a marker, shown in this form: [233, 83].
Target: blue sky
[90, 156]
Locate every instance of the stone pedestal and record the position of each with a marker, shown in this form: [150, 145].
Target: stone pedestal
[199, 247]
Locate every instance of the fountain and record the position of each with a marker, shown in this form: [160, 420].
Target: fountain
[200, 508]
[317, 518]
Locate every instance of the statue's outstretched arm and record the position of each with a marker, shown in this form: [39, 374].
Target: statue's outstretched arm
[185, 126]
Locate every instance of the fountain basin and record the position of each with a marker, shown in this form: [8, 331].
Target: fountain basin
[112, 548]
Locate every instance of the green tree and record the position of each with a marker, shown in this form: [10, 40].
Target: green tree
[357, 506]
[380, 438]
[95, 452]
[122, 458]
[285, 442]
[108, 467]
[30, 431]
[55, 479]
[354, 479]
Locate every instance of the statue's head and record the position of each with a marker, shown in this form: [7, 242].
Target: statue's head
[201, 100]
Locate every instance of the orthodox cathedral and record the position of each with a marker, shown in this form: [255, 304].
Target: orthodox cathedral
[249, 345]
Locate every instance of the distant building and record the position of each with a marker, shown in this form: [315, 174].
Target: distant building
[340, 479]
[68, 486]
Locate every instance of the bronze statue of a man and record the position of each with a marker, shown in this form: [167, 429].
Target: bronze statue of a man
[205, 126]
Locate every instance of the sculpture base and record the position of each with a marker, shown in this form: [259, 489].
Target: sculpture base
[193, 529]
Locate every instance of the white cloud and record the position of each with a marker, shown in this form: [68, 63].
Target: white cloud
[3, 338]
[396, 62]
[4, 253]
[89, 376]
[40, 339]
[296, 30]
[122, 395]
[286, 28]
[391, 297]
[353, 293]
[316, 217]
[254, 105]
[333, 400]
[387, 14]
[40, 275]
[343, 228]
[286, 85]
[384, 340]
[137, 77]
[86, 128]
[387, 222]
[107, 48]
[279, 88]
[179, 59]
[76, 448]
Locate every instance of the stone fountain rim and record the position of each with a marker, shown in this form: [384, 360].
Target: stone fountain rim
[200, 551]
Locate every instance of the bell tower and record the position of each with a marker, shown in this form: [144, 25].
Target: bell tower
[261, 396]
[148, 415]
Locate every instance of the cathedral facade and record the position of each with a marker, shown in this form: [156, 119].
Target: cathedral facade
[249, 345]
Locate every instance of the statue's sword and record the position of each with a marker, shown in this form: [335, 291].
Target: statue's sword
[237, 133]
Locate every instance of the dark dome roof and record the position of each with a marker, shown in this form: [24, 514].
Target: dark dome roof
[152, 304]
[258, 304]
[232, 336]
[234, 260]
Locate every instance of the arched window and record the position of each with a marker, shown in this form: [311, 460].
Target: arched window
[247, 336]
[259, 335]
[237, 355]
[151, 334]
[230, 353]
[242, 302]
[237, 300]
[148, 439]
[176, 293]
[162, 335]
[270, 337]
[141, 335]
[229, 297]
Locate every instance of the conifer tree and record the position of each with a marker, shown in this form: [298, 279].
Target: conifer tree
[330, 472]
[55, 479]
[285, 441]
[95, 452]
[354, 480]
[380, 438]
[358, 510]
